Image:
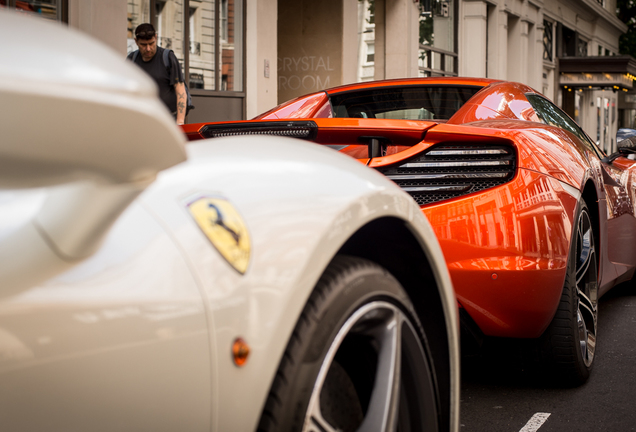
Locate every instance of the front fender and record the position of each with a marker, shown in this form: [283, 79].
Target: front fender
[300, 203]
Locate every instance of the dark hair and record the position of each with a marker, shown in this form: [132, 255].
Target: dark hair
[145, 31]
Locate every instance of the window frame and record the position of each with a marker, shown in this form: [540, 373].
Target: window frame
[548, 33]
[427, 52]
[369, 51]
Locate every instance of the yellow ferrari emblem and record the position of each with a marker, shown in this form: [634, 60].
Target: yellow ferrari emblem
[225, 228]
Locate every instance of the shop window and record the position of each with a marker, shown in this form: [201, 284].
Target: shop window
[231, 46]
[54, 10]
[203, 42]
[195, 45]
[196, 81]
[207, 37]
[438, 37]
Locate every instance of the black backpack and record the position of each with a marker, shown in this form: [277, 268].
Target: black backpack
[166, 61]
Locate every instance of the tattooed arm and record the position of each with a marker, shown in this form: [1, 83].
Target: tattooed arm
[181, 102]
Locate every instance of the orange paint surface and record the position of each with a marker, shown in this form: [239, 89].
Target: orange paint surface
[519, 230]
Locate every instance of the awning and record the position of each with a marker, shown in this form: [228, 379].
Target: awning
[616, 72]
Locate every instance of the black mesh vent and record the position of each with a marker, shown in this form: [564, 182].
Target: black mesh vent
[295, 129]
[449, 171]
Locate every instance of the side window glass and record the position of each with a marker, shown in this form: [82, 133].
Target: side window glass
[552, 115]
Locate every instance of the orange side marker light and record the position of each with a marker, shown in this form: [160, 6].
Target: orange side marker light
[240, 352]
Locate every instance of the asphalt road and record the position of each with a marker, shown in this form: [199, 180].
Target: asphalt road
[501, 394]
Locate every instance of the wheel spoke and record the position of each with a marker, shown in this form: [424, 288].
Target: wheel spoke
[383, 406]
[587, 340]
[586, 255]
[582, 334]
[585, 304]
[590, 346]
[317, 423]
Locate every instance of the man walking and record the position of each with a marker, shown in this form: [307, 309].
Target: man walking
[168, 77]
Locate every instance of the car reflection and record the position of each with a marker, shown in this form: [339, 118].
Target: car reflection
[525, 218]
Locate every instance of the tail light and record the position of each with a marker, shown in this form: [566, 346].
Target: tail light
[294, 129]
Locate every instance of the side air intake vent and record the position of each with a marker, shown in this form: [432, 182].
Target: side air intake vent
[294, 129]
[450, 171]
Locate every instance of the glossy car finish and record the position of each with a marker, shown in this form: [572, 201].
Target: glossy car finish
[506, 245]
[118, 310]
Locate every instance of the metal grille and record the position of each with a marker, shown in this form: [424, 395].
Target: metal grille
[452, 170]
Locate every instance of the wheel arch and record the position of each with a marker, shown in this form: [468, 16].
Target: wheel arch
[389, 242]
[560, 350]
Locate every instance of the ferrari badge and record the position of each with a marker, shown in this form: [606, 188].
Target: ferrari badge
[224, 227]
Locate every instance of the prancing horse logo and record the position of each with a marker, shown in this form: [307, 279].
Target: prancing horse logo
[224, 227]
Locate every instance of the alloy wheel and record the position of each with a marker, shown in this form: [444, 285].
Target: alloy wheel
[586, 288]
[396, 398]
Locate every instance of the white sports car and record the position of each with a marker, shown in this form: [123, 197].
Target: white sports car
[240, 284]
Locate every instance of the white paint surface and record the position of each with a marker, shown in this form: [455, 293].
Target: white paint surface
[535, 422]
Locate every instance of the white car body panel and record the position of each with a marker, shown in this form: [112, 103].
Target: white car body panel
[296, 231]
[116, 311]
[119, 342]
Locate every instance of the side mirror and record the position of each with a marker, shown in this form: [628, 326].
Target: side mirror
[82, 123]
[72, 108]
[626, 145]
[624, 133]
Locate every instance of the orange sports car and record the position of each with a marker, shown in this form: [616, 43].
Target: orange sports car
[535, 221]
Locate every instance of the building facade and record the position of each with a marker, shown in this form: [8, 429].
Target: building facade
[564, 49]
[243, 57]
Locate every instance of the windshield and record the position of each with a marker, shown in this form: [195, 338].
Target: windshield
[407, 103]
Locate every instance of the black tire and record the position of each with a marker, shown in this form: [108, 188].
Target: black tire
[568, 345]
[342, 369]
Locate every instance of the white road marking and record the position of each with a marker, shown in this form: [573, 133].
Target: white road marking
[535, 422]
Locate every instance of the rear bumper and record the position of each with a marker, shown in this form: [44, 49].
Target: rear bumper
[508, 302]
